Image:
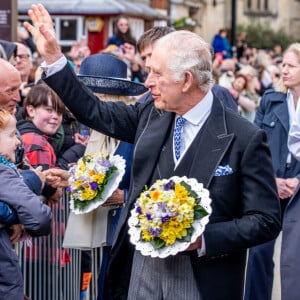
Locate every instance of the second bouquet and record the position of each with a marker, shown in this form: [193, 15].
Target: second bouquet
[93, 180]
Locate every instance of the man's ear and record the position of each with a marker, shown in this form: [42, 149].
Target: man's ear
[187, 81]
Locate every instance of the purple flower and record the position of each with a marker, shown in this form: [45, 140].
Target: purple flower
[94, 186]
[68, 189]
[104, 162]
[155, 231]
[138, 210]
[148, 216]
[169, 185]
[165, 219]
[162, 206]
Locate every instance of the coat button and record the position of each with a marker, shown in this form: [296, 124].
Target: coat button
[272, 124]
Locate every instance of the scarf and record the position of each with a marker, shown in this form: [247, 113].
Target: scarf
[4, 161]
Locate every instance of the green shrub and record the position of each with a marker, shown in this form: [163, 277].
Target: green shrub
[264, 37]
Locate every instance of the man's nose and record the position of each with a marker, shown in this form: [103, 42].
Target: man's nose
[16, 96]
[149, 81]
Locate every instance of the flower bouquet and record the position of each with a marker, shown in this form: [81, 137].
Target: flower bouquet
[169, 216]
[93, 180]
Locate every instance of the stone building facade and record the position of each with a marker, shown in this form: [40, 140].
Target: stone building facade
[212, 15]
[205, 17]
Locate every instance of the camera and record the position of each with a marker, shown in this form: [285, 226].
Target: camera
[19, 156]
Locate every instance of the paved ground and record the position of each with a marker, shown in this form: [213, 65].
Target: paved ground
[276, 294]
[276, 284]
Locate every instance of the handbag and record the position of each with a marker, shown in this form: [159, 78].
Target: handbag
[87, 231]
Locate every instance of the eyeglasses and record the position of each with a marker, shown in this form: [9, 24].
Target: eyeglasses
[22, 56]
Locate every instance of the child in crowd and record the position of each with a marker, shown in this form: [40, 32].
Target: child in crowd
[42, 114]
[30, 211]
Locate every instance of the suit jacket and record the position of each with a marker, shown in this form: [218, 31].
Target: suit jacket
[240, 219]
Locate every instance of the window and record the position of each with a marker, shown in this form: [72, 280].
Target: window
[260, 7]
[69, 29]
[257, 5]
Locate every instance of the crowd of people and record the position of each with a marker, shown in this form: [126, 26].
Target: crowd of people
[142, 87]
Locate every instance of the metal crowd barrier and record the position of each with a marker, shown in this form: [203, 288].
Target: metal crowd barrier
[51, 272]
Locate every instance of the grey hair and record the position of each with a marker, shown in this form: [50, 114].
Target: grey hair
[187, 51]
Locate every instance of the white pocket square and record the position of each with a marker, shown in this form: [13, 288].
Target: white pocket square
[223, 170]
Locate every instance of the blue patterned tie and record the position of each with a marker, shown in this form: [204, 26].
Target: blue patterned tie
[177, 134]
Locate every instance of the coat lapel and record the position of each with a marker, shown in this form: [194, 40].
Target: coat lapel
[148, 148]
[281, 111]
[209, 147]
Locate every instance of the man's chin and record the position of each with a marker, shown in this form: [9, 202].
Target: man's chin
[11, 109]
[159, 105]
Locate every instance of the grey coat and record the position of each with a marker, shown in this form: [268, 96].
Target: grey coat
[36, 218]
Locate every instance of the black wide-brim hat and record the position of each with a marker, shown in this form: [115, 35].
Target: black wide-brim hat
[107, 74]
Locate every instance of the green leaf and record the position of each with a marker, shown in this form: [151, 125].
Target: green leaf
[187, 238]
[192, 193]
[186, 186]
[199, 212]
[158, 243]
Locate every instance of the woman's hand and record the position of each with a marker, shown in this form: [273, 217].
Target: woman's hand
[286, 187]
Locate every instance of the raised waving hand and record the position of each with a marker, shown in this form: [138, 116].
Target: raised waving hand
[43, 33]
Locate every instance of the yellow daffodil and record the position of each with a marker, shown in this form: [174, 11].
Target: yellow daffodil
[99, 178]
[88, 194]
[180, 191]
